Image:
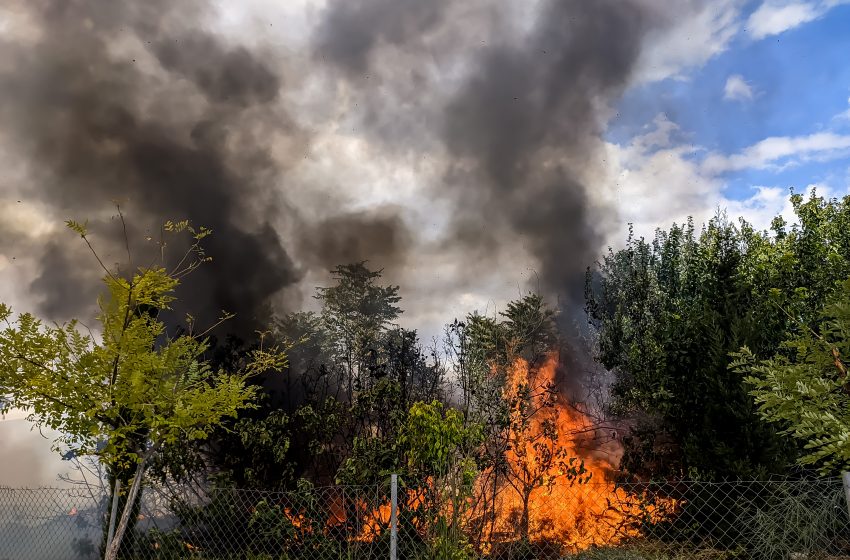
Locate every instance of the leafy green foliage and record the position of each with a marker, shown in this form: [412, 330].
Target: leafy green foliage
[431, 442]
[270, 528]
[668, 312]
[140, 385]
[436, 439]
[125, 394]
[356, 311]
[345, 392]
[805, 387]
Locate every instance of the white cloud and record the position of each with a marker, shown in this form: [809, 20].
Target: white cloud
[653, 181]
[645, 172]
[737, 89]
[700, 33]
[777, 16]
[845, 114]
[779, 152]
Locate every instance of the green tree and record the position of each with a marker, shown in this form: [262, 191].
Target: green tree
[669, 311]
[440, 451]
[351, 378]
[434, 450]
[125, 394]
[805, 387]
[356, 311]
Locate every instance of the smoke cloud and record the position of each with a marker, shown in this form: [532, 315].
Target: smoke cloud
[135, 103]
[515, 100]
[23, 464]
[498, 106]
[377, 236]
[519, 124]
[352, 30]
[170, 127]
[527, 121]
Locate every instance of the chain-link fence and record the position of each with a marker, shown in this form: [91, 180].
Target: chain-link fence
[788, 520]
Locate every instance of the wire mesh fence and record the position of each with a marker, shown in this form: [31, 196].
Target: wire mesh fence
[789, 520]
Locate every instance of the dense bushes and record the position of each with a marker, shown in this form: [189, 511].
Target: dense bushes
[669, 312]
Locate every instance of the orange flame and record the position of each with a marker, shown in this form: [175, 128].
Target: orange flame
[554, 483]
[552, 488]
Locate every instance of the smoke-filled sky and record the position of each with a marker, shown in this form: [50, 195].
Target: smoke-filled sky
[471, 148]
[467, 147]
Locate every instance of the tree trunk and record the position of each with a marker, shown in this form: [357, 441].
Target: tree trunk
[125, 479]
[113, 547]
[523, 521]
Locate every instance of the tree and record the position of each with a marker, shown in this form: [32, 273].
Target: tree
[805, 387]
[123, 395]
[506, 369]
[668, 312]
[351, 378]
[439, 467]
[356, 311]
[381, 366]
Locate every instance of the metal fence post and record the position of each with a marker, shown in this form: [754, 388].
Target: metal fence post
[845, 478]
[394, 517]
[114, 513]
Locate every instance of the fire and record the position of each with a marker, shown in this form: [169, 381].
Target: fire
[552, 483]
[549, 488]
[376, 520]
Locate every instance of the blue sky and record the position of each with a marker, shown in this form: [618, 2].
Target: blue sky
[781, 79]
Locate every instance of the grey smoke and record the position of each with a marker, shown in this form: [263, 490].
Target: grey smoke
[524, 126]
[135, 102]
[352, 30]
[377, 236]
[232, 76]
[23, 463]
[145, 103]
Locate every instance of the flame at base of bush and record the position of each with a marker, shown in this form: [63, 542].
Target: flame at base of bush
[554, 485]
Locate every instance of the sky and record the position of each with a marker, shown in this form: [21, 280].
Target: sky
[727, 107]
[769, 112]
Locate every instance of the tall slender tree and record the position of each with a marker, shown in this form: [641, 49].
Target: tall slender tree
[124, 394]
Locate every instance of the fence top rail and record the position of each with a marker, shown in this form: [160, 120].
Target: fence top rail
[386, 485]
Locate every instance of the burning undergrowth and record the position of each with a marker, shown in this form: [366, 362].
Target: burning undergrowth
[551, 486]
[556, 481]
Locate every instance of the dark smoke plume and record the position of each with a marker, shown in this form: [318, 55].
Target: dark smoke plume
[523, 128]
[134, 102]
[378, 237]
[353, 29]
[528, 120]
[175, 127]
[142, 102]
